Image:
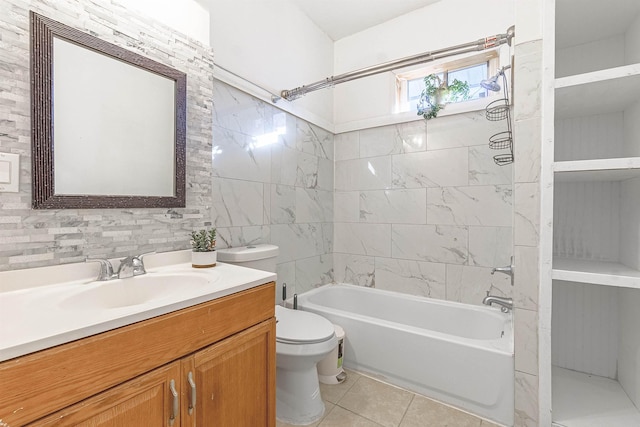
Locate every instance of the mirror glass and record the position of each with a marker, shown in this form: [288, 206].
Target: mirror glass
[103, 142]
[109, 124]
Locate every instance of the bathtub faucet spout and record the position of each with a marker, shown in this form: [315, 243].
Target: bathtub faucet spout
[508, 270]
[505, 303]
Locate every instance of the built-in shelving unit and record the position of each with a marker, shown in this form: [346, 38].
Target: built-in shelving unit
[596, 217]
[597, 92]
[597, 170]
[590, 401]
[596, 272]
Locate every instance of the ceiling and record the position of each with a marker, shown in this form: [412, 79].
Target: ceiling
[341, 18]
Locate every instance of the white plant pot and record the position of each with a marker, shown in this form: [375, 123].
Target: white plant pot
[204, 259]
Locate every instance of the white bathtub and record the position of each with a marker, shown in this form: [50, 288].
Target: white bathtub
[459, 354]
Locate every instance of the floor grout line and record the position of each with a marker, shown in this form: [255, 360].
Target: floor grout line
[358, 375]
[407, 409]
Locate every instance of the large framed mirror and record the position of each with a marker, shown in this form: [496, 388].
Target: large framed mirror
[108, 124]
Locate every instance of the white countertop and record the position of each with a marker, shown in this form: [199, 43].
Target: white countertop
[36, 315]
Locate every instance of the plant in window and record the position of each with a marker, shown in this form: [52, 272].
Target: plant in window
[437, 94]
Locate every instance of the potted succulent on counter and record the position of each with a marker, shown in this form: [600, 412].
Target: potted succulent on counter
[203, 243]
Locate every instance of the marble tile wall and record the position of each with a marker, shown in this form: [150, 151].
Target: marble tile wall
[273, 183]
[33, 238]
[422, 208]
[527, 225]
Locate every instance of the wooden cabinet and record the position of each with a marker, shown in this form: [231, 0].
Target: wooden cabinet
[128, 377]
[233, 380]
[226, 384]
[145, 401]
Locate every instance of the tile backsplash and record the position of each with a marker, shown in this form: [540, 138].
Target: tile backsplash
[32, 238]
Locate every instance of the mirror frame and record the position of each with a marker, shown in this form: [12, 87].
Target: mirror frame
[43, 31]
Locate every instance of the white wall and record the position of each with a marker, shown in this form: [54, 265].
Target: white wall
[630, 193]
[274, 45]
[609, 52]
[630, 223]
[439, 25]
[587, 57]
[189, 17]
[629, 350]
[585, 328]
[632, 42]
[632, 130]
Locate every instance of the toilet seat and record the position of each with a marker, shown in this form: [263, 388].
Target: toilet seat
[301, 327]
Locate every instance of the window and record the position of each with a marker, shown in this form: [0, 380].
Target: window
[472, 70]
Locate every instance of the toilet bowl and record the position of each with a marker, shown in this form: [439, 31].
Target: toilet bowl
[302, 340]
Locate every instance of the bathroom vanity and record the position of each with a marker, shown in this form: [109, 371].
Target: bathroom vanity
[212, 363]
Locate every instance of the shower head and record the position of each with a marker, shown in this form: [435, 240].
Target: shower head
[491, 84]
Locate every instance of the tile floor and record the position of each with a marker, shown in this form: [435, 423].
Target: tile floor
[361, 401]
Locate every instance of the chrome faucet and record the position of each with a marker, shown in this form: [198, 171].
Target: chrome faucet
[505, 303]
[132, 266]
[508, 270]
[106, 269]
[129, 267]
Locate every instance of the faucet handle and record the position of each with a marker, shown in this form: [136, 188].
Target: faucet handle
[132, 266]
[106, 268]
[140, 267]
[135, 264]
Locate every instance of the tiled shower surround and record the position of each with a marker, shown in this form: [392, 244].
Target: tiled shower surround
[421, 208]
[273, 182]
[418, 207]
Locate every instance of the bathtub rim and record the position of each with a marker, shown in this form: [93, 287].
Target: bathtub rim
[492, 345]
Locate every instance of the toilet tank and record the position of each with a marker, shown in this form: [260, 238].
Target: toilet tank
[261, 257]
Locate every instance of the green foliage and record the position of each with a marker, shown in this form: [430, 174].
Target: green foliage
[436, 94]
[203, 240]
[458, 91]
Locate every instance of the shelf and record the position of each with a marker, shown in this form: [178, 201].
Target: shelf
[597, 170]
[582, 400]
[599, 92]
[578, 23]
[595, 272]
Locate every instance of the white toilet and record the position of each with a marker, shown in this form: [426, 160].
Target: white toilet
[302, 340]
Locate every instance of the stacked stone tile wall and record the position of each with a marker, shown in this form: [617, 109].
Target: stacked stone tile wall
[32, 238]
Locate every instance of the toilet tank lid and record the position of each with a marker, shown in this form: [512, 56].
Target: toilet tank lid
[247, 253]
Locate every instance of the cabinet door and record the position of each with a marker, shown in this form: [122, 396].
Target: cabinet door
[147, 401]
[235, 380]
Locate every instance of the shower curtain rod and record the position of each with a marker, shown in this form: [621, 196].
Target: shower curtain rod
[478, 45]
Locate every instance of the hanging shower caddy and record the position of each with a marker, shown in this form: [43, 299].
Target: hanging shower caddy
[496, 111]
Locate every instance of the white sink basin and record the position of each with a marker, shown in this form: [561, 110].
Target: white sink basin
[137, 290]
[54, 305]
